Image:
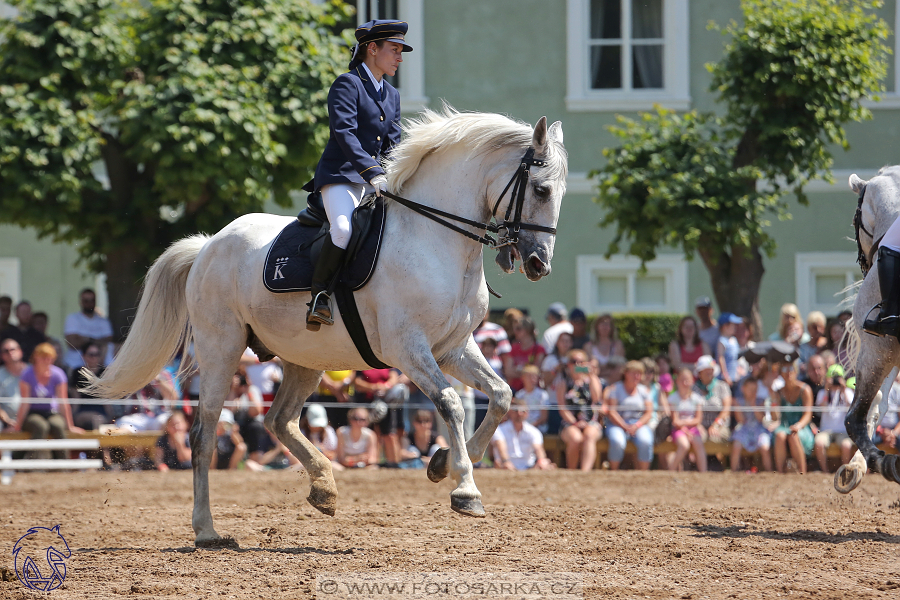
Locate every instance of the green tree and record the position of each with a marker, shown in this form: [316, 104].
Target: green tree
[792, 73]
[198, 111]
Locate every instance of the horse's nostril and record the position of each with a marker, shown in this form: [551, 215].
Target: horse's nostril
[536, 264]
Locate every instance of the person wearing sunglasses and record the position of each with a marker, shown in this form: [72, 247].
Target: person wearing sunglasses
[357, 445]
[580, 391]
[792, 407]
[10, 372]
[89, 416]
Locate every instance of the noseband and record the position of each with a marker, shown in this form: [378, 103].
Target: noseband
[508, 231]
[865, 260]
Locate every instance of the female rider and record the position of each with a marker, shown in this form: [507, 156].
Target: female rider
[364, 119]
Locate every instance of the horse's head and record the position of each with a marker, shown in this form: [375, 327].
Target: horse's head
[544, 191]
[878, 204]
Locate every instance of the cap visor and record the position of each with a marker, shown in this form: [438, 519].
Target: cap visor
[406, 47]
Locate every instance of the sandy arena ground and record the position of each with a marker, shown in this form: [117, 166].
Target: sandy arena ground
[631, 535]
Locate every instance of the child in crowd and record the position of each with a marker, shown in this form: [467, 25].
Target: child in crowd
[230, 446]
[173, 449]
[727, 348]
[750, 434]
[666, 383]
[687, 416]
[536, 399]
[314, 425]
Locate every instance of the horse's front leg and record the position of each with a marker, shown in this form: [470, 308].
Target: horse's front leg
[473, 370]
[875, 360]
[283, 420]
[423, 370]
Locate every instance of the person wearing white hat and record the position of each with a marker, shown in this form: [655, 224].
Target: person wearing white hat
[717, 399]
[557, 316]
[319, 432]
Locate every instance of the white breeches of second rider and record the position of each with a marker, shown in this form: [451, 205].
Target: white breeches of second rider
[340, 200]
[891, 237]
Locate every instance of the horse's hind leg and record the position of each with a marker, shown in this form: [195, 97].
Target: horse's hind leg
[473, 370]
[283, 420]
[218, 355]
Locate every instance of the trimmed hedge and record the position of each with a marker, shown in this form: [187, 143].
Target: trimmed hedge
[644, 334]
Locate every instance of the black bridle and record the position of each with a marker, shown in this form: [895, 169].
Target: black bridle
[865, 260]
[508, 231]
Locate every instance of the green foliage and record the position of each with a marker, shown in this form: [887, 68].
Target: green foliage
[793, 71]
[671, 183]
[646, 334]
[200, 110]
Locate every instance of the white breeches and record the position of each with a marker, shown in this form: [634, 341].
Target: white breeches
[340, 200]
[891, 238]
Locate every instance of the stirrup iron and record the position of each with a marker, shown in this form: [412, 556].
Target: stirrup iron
[314, 318]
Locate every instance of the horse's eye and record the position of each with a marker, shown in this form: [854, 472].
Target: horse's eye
[542, 191]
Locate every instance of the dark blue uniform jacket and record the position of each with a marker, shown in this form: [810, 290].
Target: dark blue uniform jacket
[363, 129]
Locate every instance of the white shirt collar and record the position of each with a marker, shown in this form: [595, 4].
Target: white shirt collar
[374, 81]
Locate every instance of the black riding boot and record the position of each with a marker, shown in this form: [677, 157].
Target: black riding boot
[327, 267]
[888, 321]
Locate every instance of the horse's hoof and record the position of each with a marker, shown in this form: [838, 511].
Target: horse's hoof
[469, 507]
[847, 478]
[439, 465]
[323, 496]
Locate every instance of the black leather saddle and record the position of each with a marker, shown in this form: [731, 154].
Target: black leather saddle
[292, 256]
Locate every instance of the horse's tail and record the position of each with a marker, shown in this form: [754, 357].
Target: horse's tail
[160, 325]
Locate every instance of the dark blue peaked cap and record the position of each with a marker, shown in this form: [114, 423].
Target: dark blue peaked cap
[386, 30]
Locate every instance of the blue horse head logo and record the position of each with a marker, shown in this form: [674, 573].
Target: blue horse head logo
[40, 558]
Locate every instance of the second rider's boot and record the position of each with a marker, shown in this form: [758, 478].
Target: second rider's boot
[327, 267]
[888, 320]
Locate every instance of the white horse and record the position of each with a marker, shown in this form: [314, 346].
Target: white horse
[877, 359]
[420, 307]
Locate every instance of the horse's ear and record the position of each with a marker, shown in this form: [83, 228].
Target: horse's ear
[556, 132]
[539, 140]
[856, 184]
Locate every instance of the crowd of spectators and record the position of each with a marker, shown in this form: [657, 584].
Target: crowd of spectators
[574, 381]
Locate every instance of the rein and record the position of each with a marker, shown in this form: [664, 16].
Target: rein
[865, 260]
[508, 231]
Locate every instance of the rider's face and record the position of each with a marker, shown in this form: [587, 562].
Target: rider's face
[386, 58]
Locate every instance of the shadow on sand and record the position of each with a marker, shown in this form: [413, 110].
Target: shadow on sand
[801, 535]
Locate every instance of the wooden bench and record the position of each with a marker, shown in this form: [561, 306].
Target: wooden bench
[9, 466]
[556, 449]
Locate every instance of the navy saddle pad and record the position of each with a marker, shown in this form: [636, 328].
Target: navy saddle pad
[292, 256]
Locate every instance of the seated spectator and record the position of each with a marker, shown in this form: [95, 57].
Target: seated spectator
[557, 321]
[536, 399]
[525, 351]
[836, 398]
[511, 318]
[518, 445]
[657, 396]
[85, 326]
[89, 416]
[687, 346]
[581, 392]
[604, 346]
[276, 457]
[10, 373]
[888, 431]
[489, 350]
[230, 446]
[727, 348]
[357, 444]
[494, 332]
[630, 410]
[716, 400]
[26, 335]
[421, 444]
[666, 383]
[314, 425]
[836, 346]
[750, 434]
[555, 363]
[266, 376]
[335, 386]
[580, 335]
[814, 377]
[687, 416]
[42, 379]
[790, 327]
[173, 448]
[815, 328]
[384, 385]
[147, 413]
[793, 432]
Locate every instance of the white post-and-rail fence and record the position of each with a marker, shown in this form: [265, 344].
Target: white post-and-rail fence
[9, 466]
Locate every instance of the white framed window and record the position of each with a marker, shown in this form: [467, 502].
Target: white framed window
[821, 278]
[11, 278]
[615, 285]
[627, 55]
[410, 78]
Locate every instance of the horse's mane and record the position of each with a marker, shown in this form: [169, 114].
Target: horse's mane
[435, 131]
